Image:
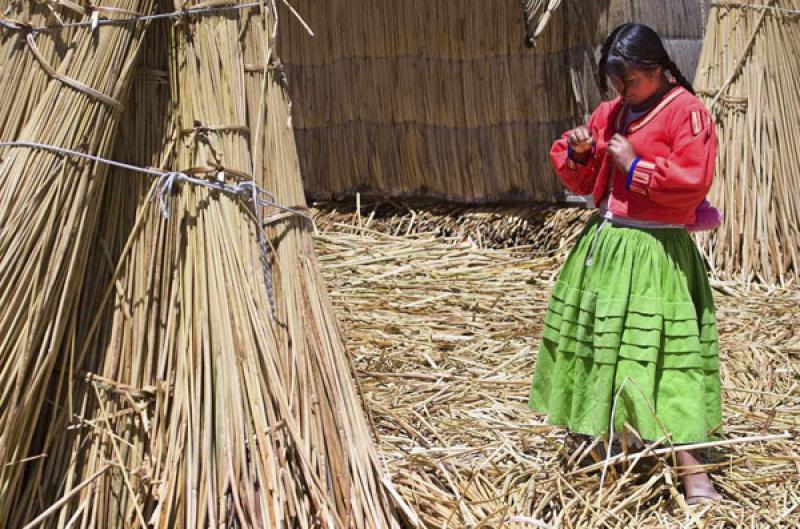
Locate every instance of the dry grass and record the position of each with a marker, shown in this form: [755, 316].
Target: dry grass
[541, 228]
[444, 336]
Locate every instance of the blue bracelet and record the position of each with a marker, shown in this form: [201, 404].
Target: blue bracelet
[634, 163]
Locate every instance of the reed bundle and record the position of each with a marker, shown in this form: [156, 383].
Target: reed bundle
[445, 336]
[106, 442]
[22, 78]
[541, 229]
[748, 76]
[225, 447]
[48, 213]
[336, 435]
[180, 397]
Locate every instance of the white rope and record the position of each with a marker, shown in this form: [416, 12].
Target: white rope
[129, 20]
[167, 180]
[95, 22]
[62, 150]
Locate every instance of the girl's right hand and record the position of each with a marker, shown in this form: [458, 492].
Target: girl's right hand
[580, 139]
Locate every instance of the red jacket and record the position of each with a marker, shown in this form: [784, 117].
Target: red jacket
[676, 143]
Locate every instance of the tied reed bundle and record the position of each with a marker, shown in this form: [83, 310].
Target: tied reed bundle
[105, 411]
[210, 408]
[22, 78]
[748, 76]
[48, 214]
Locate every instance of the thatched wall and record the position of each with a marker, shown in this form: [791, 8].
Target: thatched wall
[442, 98]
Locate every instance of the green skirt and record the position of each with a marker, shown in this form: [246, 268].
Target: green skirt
[630, 331]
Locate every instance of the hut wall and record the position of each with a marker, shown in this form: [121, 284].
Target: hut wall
[442, 99]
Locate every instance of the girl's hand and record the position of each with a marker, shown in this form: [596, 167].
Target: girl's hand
[621, 151]
[580, 139]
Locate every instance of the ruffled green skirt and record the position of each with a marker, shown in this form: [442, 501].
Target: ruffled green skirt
[631, 332]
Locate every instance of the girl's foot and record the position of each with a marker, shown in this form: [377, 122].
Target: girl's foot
[697, 487]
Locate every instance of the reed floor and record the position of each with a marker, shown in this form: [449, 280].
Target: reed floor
[443, 331]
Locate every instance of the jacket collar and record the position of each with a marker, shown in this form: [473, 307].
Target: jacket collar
[622, 109]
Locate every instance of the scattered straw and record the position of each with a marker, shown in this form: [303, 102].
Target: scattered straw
[445, 334]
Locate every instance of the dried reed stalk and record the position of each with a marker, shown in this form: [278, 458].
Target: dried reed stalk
[48, 214]
[749, 76]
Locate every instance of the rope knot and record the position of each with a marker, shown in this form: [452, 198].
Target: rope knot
[164, 186]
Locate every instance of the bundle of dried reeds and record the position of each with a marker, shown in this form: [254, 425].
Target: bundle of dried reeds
[541, 229]
[48, 213]
[192, 403]
[105, 442]
[748, 76]
[323, 396]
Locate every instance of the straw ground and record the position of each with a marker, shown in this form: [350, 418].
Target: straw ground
[444, 335]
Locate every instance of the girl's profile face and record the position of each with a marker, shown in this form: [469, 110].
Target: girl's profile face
[637, 86]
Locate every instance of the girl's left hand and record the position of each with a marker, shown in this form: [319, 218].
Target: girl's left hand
[621, 151]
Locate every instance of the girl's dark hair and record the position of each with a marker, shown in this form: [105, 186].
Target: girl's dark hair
[637, 46]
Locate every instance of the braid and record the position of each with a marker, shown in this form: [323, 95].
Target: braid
[609, 43]
[676, 73]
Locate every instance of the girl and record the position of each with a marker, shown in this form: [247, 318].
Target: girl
[630, 332]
